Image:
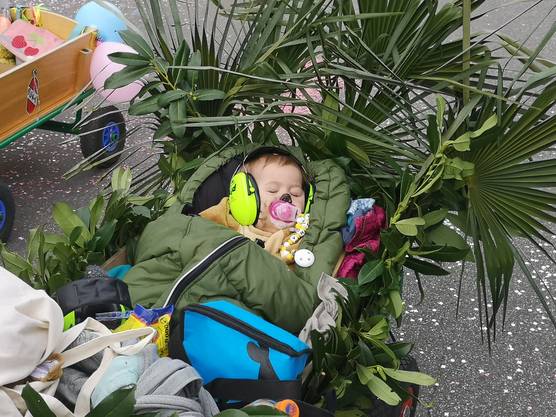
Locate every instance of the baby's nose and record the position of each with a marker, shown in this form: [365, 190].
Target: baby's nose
[287, 198]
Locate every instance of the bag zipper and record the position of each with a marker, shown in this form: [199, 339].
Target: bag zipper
[187, 278]
[239, 325]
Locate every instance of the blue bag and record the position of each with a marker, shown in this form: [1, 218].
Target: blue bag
[239, 355]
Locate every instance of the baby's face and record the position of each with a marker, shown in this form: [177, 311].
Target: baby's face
[275, 180]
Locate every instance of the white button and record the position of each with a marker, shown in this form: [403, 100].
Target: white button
[304, 258]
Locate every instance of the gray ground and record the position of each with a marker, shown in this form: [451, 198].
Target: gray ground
[518, 379]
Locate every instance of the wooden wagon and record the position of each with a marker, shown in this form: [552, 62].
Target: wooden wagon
[34, 93]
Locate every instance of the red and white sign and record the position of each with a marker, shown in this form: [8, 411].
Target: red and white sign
[33, 93]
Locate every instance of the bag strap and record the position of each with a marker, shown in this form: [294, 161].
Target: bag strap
[107, 339]
[109, 342]
[253, 389]
[83, 403]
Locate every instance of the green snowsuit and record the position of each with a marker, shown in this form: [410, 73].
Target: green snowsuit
[245, 274]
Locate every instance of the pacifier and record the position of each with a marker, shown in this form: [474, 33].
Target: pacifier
[282, 213]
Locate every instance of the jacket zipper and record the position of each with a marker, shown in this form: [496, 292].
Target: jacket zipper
[241, 326]
[188, 277]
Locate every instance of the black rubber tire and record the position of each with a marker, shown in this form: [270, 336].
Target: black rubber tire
[7, 205]
[408, 407]
[93, 134]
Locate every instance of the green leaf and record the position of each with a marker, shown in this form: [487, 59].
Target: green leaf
[121, 180]
[232, 413]
[76, 235]
[34, 243]
[95, 258]
[84, 214]
[96, 212]
[262, 411]
[208, 95]
[408, 227]
[143, 107]
[442, 235]
[180, 60]
[434, 217]
[457, 168]
[142, 211]
[364, 374]
[411, 377]
[57, 281]
[379, 388]
[137, 42]
[487, 125]
[163, 130]
[16, 264]
[442, 253]
[380, 329]
[424, 267]
[178, 117]
[462, 143]
[433, 134]
[126, 76]
[392, 240]
[397, 303]
[128, 59]
[194, 61]
[120, 403]
[406, 184]
[332, 103]
[67, 220]
[104, 236]
[168, 97]
[370, 271]
[36, 405]
[440, 110]
[417, 221]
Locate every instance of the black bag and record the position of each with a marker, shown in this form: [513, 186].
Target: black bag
[88, 296]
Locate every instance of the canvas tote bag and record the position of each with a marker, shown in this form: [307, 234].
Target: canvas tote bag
[31, 327]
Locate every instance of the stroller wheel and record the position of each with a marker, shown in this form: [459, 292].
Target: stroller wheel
[104, 132]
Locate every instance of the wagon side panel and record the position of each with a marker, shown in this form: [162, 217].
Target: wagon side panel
[32, 90]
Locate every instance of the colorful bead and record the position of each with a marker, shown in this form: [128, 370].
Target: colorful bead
[297, 233]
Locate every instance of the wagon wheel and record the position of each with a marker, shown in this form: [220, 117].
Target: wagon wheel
[7, 212]
[408, 407]
[105, 131]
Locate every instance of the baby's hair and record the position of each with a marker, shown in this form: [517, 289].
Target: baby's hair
[269, 158]
[280, 159]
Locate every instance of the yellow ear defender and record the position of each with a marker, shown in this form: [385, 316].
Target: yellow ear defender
[244, 200]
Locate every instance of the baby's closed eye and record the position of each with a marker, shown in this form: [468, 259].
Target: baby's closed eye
[296, 192]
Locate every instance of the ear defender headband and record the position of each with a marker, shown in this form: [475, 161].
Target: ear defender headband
[244, 198]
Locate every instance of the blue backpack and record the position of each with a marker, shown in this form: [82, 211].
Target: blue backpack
[239, 355]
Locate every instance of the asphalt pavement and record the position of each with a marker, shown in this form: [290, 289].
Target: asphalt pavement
[517, 379]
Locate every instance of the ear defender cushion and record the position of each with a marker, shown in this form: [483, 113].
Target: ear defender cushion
[309, 199]
[244, 199]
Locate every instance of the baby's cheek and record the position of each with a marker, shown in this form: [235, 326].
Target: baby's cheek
[265, 204]
[299, 202]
